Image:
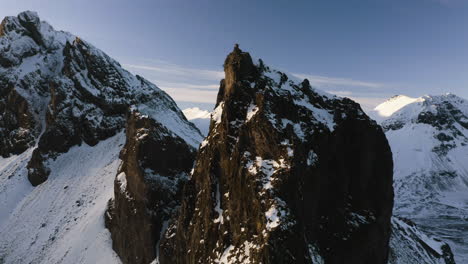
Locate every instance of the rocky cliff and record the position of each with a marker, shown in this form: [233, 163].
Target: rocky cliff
[155, 165]
[287, 174]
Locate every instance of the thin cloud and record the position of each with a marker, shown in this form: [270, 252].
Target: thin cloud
[175, 85]
[324, 81]
[340, 93]
[190, 95]
[180, 71]
[201, 85]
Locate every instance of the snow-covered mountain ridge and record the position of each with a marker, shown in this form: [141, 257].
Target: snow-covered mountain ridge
[429, 137]
[64, 105]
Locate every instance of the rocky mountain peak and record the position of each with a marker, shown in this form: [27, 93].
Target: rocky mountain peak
[264, 189]
[27, 21]
[237, 66]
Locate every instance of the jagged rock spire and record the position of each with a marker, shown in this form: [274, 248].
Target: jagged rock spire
[287, 174]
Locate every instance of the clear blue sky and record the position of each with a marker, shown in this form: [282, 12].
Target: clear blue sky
[367, 49]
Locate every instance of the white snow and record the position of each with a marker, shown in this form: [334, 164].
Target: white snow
[217, 113]
[394, 104]
[251, 111]
[200, 118]
[196, 113]
[122, 178]
[224, 259]
[171, 120]
[218, 209]
[204, 143]
[314, 255]
[268, 168]
[320, 115]
[297, 128]
[411, 233]
[241, 254]
[311, 158]
[273, 218]
[61, 220]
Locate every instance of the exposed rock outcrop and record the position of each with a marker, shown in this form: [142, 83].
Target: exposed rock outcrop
[17, 122]
[155, 165]
[287, 174]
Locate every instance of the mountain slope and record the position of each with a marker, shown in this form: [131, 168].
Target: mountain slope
[64, 107]
[429, 136]
[408, 245]
[60, 221]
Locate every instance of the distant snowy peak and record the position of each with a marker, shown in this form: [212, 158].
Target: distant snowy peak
[394, 104]
[446, 111]
[201, 118]
[196, 113]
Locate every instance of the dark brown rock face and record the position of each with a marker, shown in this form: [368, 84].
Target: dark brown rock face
[17, 122]
[155, 164]
[287, 174]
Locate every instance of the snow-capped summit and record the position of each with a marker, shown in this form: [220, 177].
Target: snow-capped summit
[429, 140]
[439, 110]
[392, 105]
[201, 118]
[195, 112]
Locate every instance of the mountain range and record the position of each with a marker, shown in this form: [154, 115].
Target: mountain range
[100, 166]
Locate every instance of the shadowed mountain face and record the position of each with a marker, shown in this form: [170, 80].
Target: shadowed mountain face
[286, 174]
[155, 165]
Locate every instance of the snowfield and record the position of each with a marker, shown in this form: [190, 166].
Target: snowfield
[61, 220]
